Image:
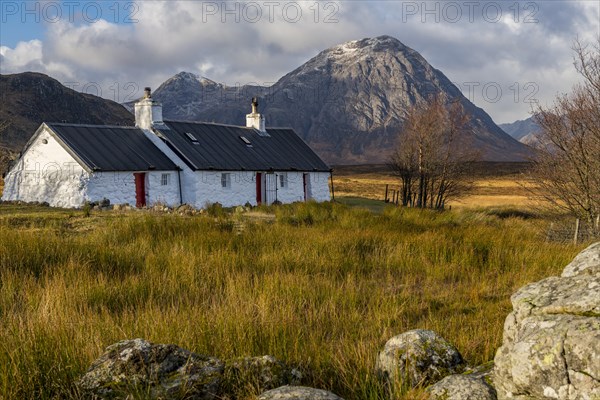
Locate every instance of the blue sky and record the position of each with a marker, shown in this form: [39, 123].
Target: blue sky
[502, 54]
[28, 20]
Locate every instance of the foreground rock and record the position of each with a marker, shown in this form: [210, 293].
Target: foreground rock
[551, 345]
[158, 371]
[258, 374]
[587, 260]
[298, 393]
[418, 357]
[462, 387]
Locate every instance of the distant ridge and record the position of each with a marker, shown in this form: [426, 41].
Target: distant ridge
[28, 99]
[525, 131]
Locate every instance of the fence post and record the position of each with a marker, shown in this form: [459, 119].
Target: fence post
[576, 231]
[386, 193]
[332, 186]
[549, 233]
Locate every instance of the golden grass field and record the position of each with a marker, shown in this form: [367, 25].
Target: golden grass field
[321, 286]
[501, 186]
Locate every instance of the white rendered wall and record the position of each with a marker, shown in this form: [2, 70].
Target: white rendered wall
[319, 186]
[243, 188]
[46, 173]
[293, 190]
[119, 188]
[159, 193]
[209, 189]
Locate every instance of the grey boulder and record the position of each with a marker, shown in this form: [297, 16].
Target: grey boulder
[298, 393]
[462, 387]
[587, 260]
[418, 357]
[551, 342]
[258, 374]
[156, 371]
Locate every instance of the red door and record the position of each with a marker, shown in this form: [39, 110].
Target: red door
[258, 188]
[140, 189]
[304, 184]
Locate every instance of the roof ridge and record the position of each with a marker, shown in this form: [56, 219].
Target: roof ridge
[207, 123]
[223, 124]
[91, 125]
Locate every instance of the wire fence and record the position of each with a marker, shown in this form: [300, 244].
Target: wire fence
[574, 231]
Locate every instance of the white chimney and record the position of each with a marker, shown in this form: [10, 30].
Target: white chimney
[147, 111]
[255, 120]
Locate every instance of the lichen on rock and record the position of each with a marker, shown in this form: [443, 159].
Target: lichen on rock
[156, 371]
[551, 345]
[462, 387]
[298, 393]
[254, 375]
[587, 260]
[418, 357]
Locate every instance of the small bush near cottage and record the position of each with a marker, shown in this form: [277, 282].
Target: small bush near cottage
[320, 286]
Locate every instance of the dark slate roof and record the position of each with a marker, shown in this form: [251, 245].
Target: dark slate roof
[111, 148]
[221, 147]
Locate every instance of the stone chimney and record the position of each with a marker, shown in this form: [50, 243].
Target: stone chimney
[147, 111]
[255, 120]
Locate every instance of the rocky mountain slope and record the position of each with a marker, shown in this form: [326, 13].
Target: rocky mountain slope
[348, 102]
[28, 99]
[523, 130]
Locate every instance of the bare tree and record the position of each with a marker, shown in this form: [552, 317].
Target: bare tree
[432, 156]
[567, 167]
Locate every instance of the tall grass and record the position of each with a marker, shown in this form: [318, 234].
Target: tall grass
[322, 287]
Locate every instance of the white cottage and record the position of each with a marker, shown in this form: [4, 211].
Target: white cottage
[168, 162]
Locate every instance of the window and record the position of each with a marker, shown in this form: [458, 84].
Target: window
[245, 140]
[225, 180]
[165, 179]
[283, 180]
[191, 137]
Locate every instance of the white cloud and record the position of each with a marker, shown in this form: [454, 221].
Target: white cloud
[22, 55]
[228, 42]
[29, 56]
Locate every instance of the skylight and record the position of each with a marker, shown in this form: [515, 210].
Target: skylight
[192, 137]
[246, 140]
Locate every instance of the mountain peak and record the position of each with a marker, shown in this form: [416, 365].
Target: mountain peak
[190, 77]
[377, 44]
[349, 102]
[186, 75]
[349, 53]
[381, 55]
[382, 41]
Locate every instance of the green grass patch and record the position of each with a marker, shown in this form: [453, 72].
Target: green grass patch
[376, 206]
